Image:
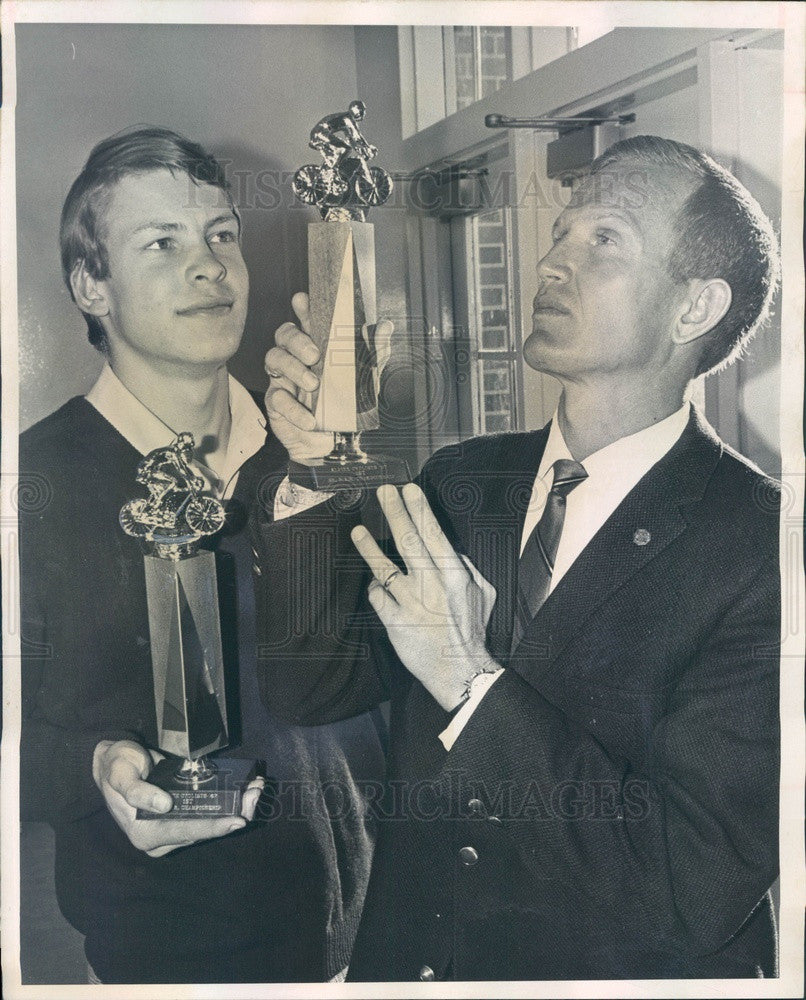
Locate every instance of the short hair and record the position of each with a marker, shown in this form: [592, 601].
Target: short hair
[134, 151]
[721, 232]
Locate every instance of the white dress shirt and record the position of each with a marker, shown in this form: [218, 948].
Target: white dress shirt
[291, 499]
[612, 471]
[145, 431]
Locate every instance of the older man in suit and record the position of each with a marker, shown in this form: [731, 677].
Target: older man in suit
[580, 624]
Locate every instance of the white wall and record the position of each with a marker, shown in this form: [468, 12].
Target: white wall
[251, 94]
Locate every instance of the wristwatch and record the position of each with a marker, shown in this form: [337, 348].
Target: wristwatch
[479, 682]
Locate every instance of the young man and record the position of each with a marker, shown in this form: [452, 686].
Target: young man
[584, 776]
[150, 242]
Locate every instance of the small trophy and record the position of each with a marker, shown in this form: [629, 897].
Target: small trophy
[341, 285]
[185, 635]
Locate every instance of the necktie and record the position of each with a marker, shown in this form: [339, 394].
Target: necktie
[537, 561]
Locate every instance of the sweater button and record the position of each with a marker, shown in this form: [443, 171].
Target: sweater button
[476, 807]
[427, 974]
[468, 856]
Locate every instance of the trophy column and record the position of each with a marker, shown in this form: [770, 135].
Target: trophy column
[341, 282]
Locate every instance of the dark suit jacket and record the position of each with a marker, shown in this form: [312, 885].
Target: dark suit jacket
[618, 784]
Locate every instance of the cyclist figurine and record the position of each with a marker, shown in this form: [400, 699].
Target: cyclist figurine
[173, 503]
[167, 470]
[335, 136]
[344, 186]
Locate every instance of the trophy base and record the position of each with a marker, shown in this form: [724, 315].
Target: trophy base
[218, 790]
[332, 476]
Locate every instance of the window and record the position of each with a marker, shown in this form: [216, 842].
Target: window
[490, 319]
[481, 60]
[446, 69]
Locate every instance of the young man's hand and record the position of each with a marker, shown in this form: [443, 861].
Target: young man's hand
[120, 770]
[288, 364]
[435, 613]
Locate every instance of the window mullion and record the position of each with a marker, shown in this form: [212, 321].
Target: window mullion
[478, 71]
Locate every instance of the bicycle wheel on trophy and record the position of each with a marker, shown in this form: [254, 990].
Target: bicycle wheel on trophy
[373, 189]
[134, 520]
[204, 515]
[304, 183]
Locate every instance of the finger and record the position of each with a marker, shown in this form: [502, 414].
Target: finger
[250, 798]
[107, 752]
[382, 339]
[283, 404]
[127, 751]
[481, 582]
[276, 383]
[384, 329]
[249, 803]
[478, 579]
[485, 592]
[183, 832]
[434, 538]
[383, 603]
[301, 304]
[125, 774]
[178, 833]
[142, 795]
[302, 446]
[381, 565]
[407, 538]
[297, 343]
[285, 369]
[160, 852]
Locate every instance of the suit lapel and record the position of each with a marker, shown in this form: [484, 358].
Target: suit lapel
[645, 523]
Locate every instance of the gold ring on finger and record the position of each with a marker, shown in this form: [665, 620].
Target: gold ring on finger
[273, 374]
[387, 583]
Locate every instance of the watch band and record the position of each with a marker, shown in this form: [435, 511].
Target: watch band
[475, 681]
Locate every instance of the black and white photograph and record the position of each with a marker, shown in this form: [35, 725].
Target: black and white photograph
[402, 499]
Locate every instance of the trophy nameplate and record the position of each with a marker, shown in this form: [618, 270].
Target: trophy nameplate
[185, 633]
[342, 296]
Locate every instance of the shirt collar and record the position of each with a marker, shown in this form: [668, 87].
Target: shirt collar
[145, 431]
[635, 453]
[555, 449]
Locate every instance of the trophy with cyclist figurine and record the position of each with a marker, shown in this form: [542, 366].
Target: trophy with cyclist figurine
[341, 289]
[186, 656]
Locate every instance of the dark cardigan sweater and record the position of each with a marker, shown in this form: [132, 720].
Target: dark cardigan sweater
[278, 901]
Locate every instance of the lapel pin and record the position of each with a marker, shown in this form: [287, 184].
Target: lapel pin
[642, 537]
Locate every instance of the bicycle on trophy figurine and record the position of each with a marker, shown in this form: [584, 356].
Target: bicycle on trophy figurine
[341, 288]
[343, 187]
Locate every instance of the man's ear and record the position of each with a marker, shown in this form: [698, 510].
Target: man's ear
[88, 291]
[705, 303]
